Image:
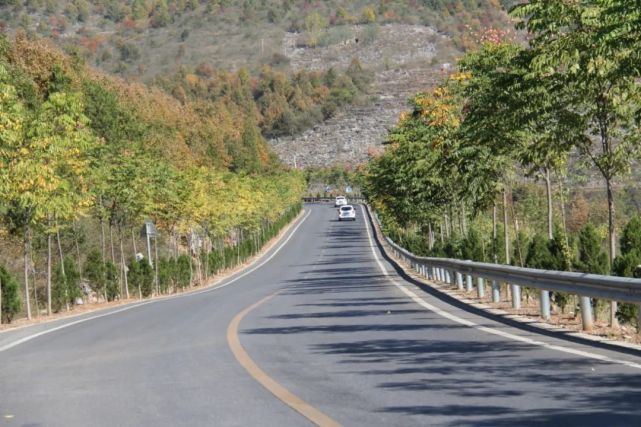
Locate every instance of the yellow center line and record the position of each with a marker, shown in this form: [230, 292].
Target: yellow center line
[289, 398]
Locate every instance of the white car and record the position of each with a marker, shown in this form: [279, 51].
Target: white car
[340, 201]
[347, 212]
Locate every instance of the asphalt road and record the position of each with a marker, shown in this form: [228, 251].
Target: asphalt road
[338, 334]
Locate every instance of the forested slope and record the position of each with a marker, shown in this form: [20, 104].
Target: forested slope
[85, 158]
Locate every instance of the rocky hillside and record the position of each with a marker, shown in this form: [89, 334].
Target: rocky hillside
[405, 58]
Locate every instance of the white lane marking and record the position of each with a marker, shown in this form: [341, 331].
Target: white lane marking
[129, 307]
[486, 329]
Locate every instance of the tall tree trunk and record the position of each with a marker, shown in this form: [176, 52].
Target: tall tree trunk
[238, 240]
[102, 240]
[505, 228]
[495, 234]
[430, 236]
[563, 215]
[515, 220]
[612, 246]
[123, 265]
[27, 243]
[463, 219]
[75, 240]
[156, 282]
[446, 223]
[440, 225]
[191, 259]
[49, 265]
[207, 252]
[133, 240]
[548, 189]
[62, 266]
[111, 243]
[35, 284]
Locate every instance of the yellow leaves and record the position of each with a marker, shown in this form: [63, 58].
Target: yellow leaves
[438, 108]
[461, 76]
[192, 79]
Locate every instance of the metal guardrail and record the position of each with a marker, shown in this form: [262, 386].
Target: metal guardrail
[464, 273]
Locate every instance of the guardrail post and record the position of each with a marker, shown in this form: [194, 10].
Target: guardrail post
[480, 287]
[516, 297]
[448, 277]
[459, 281]
[469, 283]
[433, 273]
[639, 319]
[496, 292]
[545, 305]
[586, 313]
[438, 274]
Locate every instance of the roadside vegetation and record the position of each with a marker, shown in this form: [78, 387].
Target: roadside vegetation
[86, 159]
[485, 165]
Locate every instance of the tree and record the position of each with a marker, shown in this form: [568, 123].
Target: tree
[315, 24]
[592, 259]
[568, 47]
[9, 296]
[66, 285]
[95, 271]
[141, 276]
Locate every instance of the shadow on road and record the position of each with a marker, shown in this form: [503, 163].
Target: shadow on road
[427, 370]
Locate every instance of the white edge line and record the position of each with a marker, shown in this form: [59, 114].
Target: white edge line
[486, 329]
[129, 307]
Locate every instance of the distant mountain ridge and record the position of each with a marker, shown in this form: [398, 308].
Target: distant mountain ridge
[147, 37]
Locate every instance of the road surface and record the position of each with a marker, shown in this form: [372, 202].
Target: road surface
[336, 334]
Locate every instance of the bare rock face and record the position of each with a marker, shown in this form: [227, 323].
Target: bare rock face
[403, 59]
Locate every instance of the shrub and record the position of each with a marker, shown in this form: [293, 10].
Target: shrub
[183, 271]
[472, 247]
[95, 271]
[141, 275]
[10, 296]
[111, 281]
[592, 258]
[628, 264]
[66, 287]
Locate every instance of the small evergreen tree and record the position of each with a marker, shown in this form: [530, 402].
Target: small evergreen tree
[539, 255]
[95, 271]
[66, 287]
[141, 276]
[10, 296]
[592, 258]
[628, 264]
[111, 281]
[183, 273]
[472, 247]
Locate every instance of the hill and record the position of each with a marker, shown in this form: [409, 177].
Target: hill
[192, 50]
[148, 37]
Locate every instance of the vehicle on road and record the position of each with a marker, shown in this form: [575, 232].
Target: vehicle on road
[340, 201]
[347, 212]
